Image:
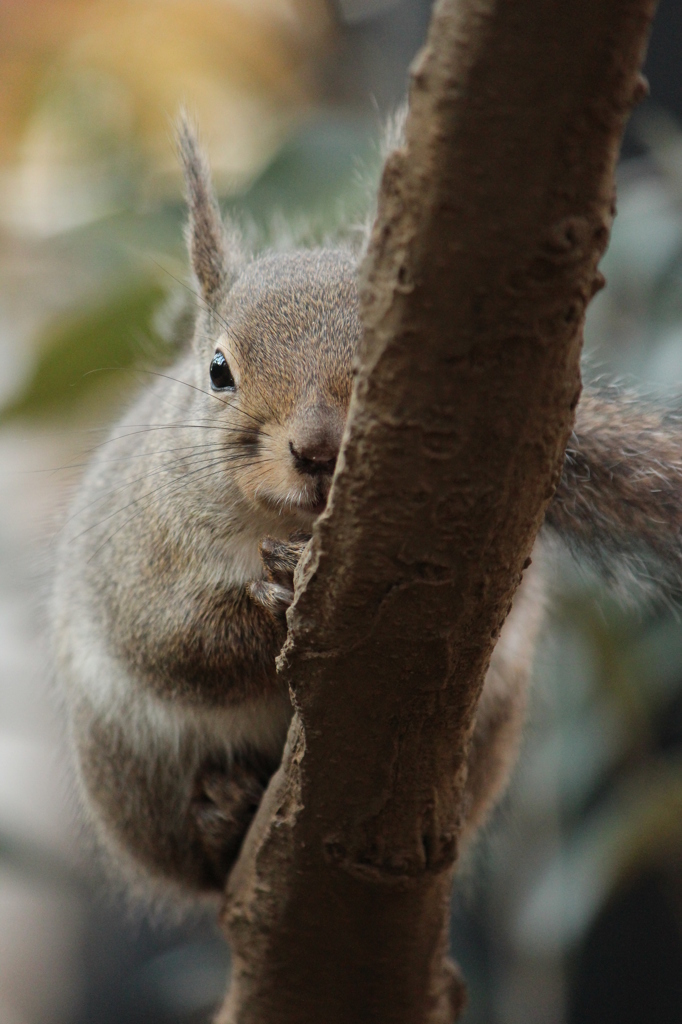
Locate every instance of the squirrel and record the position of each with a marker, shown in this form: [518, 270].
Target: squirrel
[175, 569]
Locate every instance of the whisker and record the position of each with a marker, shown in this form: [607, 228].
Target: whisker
[130, 519]
[224, 324]
[124, 458]
[210, 393]
[148, 429]
[185, 383]
[172, 465]
[148, 494]
[216, 466]
[225, 460]
[202, 391]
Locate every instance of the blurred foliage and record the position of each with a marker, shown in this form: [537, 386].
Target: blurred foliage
[89, 88]
[79, 356]
[617, 676]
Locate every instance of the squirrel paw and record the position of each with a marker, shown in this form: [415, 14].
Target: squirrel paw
[223, 806]
[276, 591]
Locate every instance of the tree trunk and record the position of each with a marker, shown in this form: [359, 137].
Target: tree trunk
[483, 257]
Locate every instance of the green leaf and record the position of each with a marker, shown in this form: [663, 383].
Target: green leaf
[82, 357]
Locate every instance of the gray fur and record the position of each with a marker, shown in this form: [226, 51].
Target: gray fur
[168, 603]
[214, 247]
[619, 502]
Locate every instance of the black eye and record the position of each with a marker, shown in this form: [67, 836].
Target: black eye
[221, 375]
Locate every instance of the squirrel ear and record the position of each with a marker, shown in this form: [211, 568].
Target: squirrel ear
[206, 236]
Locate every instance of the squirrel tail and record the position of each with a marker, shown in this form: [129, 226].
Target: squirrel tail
[619, 501]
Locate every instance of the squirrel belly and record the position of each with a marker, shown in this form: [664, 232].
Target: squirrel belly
[175, 567]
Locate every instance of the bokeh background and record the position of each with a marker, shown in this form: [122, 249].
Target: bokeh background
[570, 909]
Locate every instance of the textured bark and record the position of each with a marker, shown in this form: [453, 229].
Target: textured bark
[484, 255]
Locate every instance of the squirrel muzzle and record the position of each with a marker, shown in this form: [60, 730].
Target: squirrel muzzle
[314, 441]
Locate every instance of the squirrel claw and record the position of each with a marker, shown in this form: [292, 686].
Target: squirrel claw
[279, 558]
[272, 596]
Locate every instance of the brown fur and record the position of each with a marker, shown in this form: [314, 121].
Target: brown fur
[169, 603]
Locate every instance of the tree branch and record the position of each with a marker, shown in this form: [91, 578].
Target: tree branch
[483, 258]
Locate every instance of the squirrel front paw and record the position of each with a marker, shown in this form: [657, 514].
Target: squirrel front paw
[275, 591]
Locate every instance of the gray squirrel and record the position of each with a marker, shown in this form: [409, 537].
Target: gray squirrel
[175, 567]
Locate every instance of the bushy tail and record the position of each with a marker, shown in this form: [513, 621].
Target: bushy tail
[619, 502]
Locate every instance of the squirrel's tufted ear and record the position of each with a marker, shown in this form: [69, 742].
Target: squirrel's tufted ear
[392, 137]
[212, 261]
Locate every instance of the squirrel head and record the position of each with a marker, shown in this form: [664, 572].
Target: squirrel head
[275, 342]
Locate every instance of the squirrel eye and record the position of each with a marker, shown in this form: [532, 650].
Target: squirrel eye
[221, 375]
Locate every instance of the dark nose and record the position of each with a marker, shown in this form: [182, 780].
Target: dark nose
[315, 440]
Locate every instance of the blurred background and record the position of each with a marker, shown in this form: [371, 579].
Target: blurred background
[570, 910]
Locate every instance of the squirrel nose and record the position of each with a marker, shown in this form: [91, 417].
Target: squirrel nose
[315, 441]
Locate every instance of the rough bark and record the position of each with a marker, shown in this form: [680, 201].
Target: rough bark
[484, 255]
